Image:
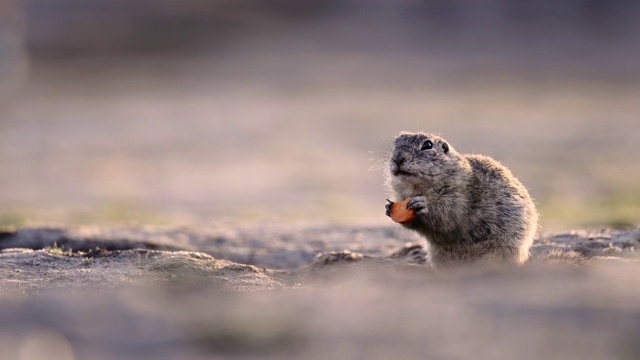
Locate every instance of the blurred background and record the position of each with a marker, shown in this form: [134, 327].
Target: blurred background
[168, 112]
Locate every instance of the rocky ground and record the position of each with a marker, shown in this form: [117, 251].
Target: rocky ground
[312, 292]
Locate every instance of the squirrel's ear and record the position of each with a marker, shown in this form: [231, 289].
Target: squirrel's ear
[445, 147]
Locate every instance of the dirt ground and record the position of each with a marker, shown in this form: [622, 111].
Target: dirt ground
[315, 292]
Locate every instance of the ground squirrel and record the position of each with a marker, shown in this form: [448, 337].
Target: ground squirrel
[470, 208]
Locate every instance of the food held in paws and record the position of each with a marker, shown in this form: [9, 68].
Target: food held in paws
[400, 213]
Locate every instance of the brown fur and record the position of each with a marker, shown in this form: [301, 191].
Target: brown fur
[470, 208]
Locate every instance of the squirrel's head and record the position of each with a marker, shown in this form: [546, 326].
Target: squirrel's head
[422, 158]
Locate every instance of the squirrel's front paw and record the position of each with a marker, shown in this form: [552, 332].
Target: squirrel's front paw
[418, 203]
[388, 208]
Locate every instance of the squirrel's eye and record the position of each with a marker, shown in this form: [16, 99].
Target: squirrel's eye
[427, 145]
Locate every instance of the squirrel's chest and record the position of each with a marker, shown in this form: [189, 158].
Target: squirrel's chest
[405, 189]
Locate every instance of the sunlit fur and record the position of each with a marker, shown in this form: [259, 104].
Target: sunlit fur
[476, 210]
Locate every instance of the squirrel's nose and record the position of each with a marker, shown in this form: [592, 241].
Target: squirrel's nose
[398, 158]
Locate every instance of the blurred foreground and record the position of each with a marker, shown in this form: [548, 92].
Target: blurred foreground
[126, 301]
[529, 313]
